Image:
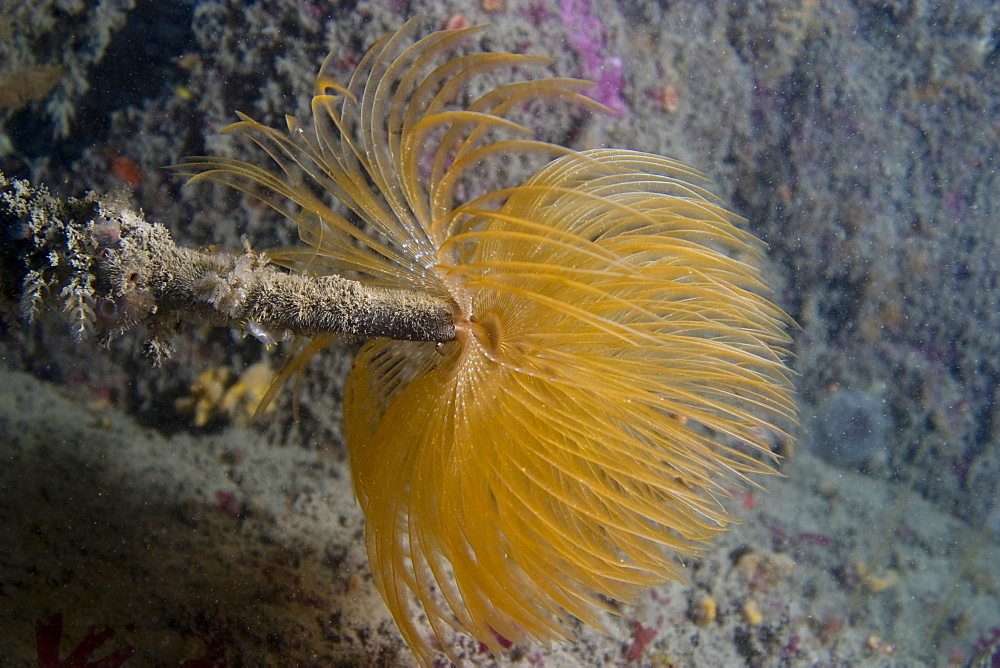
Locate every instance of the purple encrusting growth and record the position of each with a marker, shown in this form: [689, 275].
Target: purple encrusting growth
[588, 38]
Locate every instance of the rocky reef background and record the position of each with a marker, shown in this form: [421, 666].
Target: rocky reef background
[859, 139]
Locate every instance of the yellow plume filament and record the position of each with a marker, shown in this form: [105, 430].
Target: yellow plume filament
[536, 464]
[616, 365]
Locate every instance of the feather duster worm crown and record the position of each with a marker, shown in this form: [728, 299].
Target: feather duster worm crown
[615, 365]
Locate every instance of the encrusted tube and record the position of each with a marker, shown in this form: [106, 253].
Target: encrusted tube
[110, 270]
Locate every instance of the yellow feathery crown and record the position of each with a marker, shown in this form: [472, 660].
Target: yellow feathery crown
[616, 366]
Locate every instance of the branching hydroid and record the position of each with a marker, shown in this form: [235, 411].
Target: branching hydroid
[616, 363]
